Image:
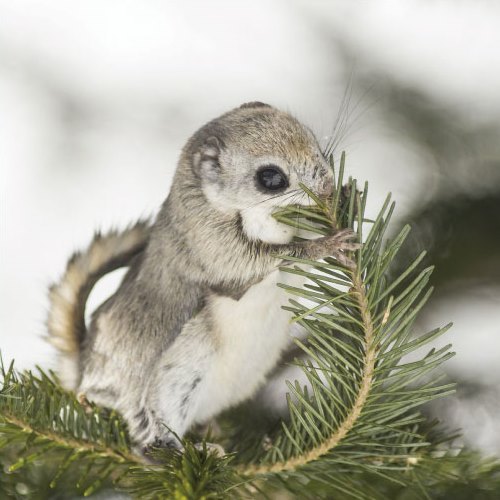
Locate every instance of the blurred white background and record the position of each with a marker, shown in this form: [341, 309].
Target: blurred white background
[98, 97]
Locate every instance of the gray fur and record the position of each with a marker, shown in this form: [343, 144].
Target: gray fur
[150, 346]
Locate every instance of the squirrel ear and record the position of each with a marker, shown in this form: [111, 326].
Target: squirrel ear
[206, 160]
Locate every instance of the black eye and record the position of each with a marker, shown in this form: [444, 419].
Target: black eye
[271, 178]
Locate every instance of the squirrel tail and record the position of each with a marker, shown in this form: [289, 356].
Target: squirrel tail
[68, 297]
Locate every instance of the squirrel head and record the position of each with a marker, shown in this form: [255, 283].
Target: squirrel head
[252, 160]
[257, 154]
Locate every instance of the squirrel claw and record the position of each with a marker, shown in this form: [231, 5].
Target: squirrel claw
[337, 244]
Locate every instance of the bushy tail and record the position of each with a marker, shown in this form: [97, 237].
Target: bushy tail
[66, 318]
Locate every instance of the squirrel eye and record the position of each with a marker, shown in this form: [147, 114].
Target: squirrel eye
[272, 178]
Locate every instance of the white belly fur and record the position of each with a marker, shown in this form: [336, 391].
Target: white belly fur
[251, 334]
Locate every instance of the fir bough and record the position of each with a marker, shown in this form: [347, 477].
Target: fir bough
[355, 431]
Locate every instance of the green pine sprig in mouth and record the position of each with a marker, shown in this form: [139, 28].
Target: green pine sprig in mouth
[327, 215]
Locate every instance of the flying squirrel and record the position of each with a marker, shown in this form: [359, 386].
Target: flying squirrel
[196, 324]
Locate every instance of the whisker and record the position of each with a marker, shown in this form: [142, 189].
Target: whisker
[283, 195]
[342, 116]
[348, 114]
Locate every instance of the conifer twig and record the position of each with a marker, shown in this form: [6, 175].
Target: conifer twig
[344, 428]
[356, 423]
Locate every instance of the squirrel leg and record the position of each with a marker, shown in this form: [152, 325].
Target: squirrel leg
[172, 394]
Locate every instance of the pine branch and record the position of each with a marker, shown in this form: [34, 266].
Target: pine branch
[354, 431]
[323, 447]
[361, 413]
[41, 421]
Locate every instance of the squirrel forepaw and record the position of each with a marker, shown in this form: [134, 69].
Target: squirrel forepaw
[336, 245]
